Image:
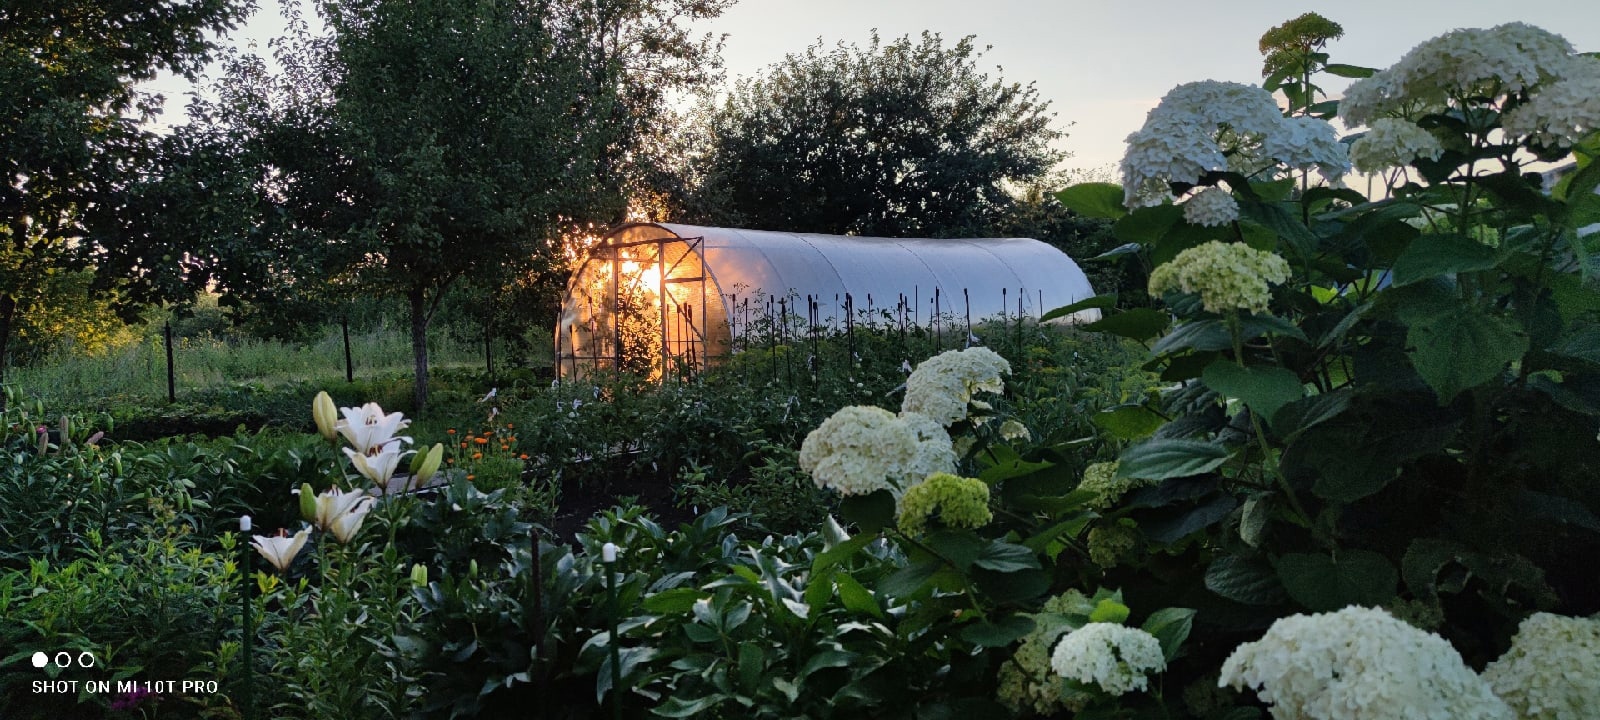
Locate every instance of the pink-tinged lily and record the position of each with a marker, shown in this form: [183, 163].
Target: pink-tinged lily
[345, 526]
[368, 429]
[378, 467]
[280, 550]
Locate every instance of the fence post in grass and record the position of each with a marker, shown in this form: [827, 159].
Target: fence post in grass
[349, 363]
[172, 381]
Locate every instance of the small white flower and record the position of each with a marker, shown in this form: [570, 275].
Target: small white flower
[280, 550]
[1359, 664]
[1211, 207]
[378, 467]
[368, 428]
[1118, 659]
[1552, 671]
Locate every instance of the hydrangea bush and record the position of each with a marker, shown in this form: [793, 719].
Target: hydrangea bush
[1375, 400]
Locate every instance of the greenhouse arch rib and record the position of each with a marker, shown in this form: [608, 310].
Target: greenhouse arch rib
[977, 277]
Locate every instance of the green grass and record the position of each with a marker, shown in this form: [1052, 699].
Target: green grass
[138, 372]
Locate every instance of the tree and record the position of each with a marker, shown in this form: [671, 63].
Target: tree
[70, 115]
[900, 139]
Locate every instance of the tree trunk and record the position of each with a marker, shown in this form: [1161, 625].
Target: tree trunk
[8, 312]
[419, 348]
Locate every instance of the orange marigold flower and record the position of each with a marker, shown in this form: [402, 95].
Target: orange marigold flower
[477, 456]
[505, 447]
[481, 441]
[451, 431]
[509, 426]
[449, 461]
[463, 446]
[469, 477]
[523, 456]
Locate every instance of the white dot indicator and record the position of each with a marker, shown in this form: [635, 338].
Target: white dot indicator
[40, 659]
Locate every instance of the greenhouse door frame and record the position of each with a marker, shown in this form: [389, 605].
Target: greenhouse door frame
[691, 332]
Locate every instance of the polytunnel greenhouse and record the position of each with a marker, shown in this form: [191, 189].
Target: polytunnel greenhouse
[652, 297]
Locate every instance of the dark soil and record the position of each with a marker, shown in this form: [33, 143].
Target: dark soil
[652, 490]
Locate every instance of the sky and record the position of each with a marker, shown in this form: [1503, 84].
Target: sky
[1102, 64]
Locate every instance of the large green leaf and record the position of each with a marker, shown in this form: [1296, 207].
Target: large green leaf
[1433, 255]
[1245, 580]
[1094, 200]
[1006, 557]
[1171, 627]
[1147, 225]
[1348, 71]
[1263, 388]
[871, 512]
[1322, 583]
[1098, 302]
[1199, 335]
[1139, 324]
[855, 596]
[999, 633]
[1457, 350]
[1164, 458]
[1128, 422]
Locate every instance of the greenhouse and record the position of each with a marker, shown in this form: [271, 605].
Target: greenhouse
[653, 296]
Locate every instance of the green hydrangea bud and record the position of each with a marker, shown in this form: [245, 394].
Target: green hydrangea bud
[959, 502]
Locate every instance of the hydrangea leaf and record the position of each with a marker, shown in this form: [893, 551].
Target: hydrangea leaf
[1461, 349]
[1171, 627]
[999, 633]
[1433, 255]
[871, 512]
[1323, 584]
[1094, 200]
[1245, 580]
[1139, 324]
[1160, 459]
[1129, 422]
[1265, 389]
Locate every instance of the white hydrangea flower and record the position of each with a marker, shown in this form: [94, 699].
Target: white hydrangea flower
[1563, 112]
[1360, 664]
[1113, 657]
[1393, 142]
[855, 451]
[1495, 62]
[1227, 276]
[942, 386]
[1209, 126]
[1552, 671]
[1211, 207]
[933, 453]
[1305, 143]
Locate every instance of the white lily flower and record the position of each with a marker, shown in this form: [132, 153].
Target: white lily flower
[367, 428]
[345, 526]
[378, 467]
[280, 550]
[333, 505]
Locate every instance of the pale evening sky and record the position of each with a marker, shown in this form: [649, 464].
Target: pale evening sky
[1102, 65]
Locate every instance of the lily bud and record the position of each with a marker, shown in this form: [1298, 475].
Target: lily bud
[430, 465]
[308, 502]
[326, 415]
[472, 568]
[66, 430]
[419, 575]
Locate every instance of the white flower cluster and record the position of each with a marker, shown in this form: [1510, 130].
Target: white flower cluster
[854, 451]
[1393, 142]
[1211, 207]
[942, 386]
[861, 449]
[1227, 276]
[1199, 126]
[1502, 60]
[1360, 664]
[1115, 658]
[1552, 671]
[1564, 111]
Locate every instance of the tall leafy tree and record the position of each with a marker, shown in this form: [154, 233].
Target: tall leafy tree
[70, 117]
[901, 138]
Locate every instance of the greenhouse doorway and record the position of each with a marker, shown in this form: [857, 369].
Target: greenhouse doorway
[638, 305]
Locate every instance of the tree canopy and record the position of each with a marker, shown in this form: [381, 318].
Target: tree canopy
[905, 138]
[70, 117]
